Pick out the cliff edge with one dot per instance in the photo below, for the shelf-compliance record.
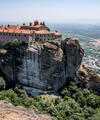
(42, 68)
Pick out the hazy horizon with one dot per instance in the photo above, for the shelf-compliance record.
(53, 11)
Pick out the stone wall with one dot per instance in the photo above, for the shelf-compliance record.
(6, 37)
(27, 38)
(46, 37)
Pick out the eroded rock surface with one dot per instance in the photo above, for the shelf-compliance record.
(43, 68)
(89, 78)
(10, 112)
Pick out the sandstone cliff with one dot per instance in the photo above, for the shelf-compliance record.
(10, 112)
(42, 68)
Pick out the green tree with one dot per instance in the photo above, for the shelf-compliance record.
(13, 44)
(49, 29)
(82, 101)
(44, 23)
(41, 23)
(61, 115)
(52, 110)
(2, 83)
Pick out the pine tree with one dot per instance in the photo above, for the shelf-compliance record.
(43, 23)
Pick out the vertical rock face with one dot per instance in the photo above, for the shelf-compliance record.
(73, 54)
(44, 68)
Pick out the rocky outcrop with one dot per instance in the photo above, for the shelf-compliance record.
(43, 68)
(89, 79)
(10, 112)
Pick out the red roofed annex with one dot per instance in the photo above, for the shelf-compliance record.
(27, 33)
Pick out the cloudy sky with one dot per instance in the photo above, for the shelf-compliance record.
(56, 11)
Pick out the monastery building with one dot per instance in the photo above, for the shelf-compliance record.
(27, 33)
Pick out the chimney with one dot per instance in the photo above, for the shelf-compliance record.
(56, 31)
(30, 23)
(36, 22)
(23, 24)
(8, 25)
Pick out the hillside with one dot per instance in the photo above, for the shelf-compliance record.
(10, 112)
(72, 90)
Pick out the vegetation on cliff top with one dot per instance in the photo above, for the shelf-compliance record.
(14, 44)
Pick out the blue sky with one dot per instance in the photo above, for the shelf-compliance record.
(56, 11)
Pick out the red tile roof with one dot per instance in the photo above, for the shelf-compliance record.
(43, 32)
(16, 29)
(12, 27)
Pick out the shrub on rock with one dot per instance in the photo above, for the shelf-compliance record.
(2, 83)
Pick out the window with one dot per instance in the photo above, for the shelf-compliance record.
(19, 35)
(15, 34)
(24, 35)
